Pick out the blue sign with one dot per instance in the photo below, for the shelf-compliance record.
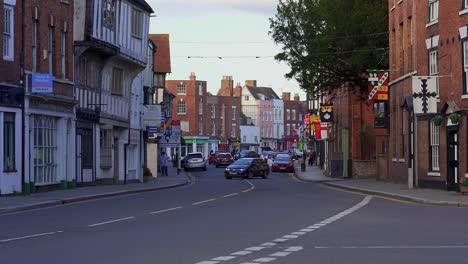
(42, 83)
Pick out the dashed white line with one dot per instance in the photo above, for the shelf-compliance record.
(268, 244)
(280, 240)
(241, 253)
(298, 233)
(112, 221)
(208, 262)
(254, 248)
(264, 260)
(290, 236)
(224, 258)
(229, 195)
(280, 254)
(30, 236)
(206, 201)
(294, 249)
(166, 210)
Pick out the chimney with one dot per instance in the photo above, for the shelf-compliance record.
(193, 77)
(251, 83)
(286, 96)
(296, 97)
(227, 85)
(238, 90)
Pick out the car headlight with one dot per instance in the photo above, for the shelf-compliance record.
(227, 169)
(241, 170)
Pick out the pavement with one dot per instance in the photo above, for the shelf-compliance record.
(383, 189)
(17, 203)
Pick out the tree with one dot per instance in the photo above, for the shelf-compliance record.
(328, 43)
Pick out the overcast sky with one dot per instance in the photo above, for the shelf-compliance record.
(222, 28)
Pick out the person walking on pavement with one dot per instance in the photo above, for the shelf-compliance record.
(164, 162)
(312, 158)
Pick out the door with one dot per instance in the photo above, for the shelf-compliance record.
(452, 175)
(79, 168)
(116, 160)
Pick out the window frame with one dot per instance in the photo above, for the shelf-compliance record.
(233, 112)
(465, 64)
(434, 147)
(105, 143)
(8, 33)
(34, 44)
(433, 11)
(63, 54)
(9, 142)
(50, 49)
(137, 23)
(181, 89)
(181, 105)
(117, 81)
(433, 54)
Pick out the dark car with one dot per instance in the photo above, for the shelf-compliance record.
(223, 159)
(247, 168)
(282, 163)
(248, 154)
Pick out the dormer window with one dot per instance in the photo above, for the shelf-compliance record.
(108, 13)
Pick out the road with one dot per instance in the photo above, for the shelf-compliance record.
(214, 220)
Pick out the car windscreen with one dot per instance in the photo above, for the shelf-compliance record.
(243, 162)
(225, 156)
(283, 159)
(195, 156)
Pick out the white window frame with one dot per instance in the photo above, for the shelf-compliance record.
(465, 62)
(433, 10)
(200, 107)
(50, 48)
(288, 114)
(181, 108)
(434, 146)
(137, 23)
(434, 66)
(234, 110)
(200, 90)
(45, 143)
(63, 54)
(200, 126)
(213, 128)
(294, 114)
(34, 45)
(213, 111)
(8, 33)
(181, 89)
(246, 98)
(465, 4)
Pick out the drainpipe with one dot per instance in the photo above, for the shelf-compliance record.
(23, 84)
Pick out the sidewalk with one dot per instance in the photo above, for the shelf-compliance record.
(37, 200)
(385, 189)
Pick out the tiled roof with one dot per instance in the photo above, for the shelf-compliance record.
(162, 57)
(266, 91)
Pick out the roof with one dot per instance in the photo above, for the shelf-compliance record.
(162, 57)
(143, 4)
(266, 91)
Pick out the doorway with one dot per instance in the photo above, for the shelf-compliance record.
(452, 160)
(116, 160)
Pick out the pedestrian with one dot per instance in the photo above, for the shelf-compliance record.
(312, 158)
(164, 162)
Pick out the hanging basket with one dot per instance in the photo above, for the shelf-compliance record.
(437, 120)
(454, 118)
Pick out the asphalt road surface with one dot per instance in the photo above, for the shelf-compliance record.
(214, 220)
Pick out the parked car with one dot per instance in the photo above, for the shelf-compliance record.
(194, 160)
(225, 159)
(247, 168)
(282, 163)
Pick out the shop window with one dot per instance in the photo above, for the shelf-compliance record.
(106, 148)
(45, 149)
(9, 142)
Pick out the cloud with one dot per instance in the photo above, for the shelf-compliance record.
(258, 6)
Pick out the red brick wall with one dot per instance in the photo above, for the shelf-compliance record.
(10, 70)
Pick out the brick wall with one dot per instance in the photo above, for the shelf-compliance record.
(10, 70)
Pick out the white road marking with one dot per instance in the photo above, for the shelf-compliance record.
(280, 240)
(294, 249)
(298, 233)
(264, 260)
(166, 210)
(208, 262)
(406, 247)
(112, 221)
(206, 201)
(307, 229)
(249, 263)
(251, 184)
(244, 191)
(30, 236)
(280, 254)
(254, 248)
(224, 258)
(241, 253)
(290, 236)
(229, 195)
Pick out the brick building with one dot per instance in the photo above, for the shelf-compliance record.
(428, 38)
(294, 112)
(223, 122)
(191, 108)
(356, 136)
(11, 97)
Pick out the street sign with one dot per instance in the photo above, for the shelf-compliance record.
(172, 132)
(152, 116)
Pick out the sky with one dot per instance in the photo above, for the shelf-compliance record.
(222, 28)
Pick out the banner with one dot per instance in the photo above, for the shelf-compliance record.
(321, 130)
(41, 83)
(424, 95)
(378, 86)
(326, 113)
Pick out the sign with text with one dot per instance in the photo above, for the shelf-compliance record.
(42, 83)
(152, 117)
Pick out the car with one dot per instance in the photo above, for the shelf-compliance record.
(247, 168)
(248, 154)
(225, 159)
(194, 160)
(282, 163)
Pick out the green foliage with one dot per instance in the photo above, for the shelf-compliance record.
(455, 118)
(464, 183)
(437, 120)
(328, 43)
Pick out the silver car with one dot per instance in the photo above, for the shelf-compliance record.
(194, 160)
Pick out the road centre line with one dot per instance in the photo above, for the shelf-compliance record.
(392, 247)
(166, 210)
(205, 201)
(112, 221)
(229, 195)
(30, 236)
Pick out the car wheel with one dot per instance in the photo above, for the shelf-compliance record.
(264, 175)
(204, 168)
